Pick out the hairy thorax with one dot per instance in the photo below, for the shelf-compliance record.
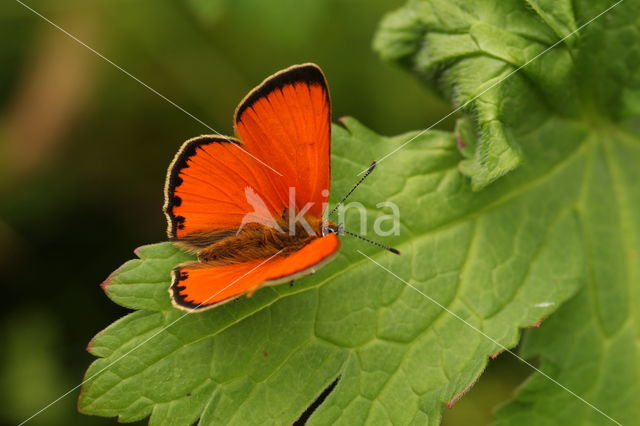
(254, 241)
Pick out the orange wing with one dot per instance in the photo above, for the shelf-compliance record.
(286, 122)
(210, 187)
(197, 286)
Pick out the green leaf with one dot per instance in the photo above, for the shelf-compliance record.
(501, 259)
(470, 50)
(143, 283)
(590, 80)
(590, 345)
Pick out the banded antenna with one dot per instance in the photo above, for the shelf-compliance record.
(391, 249)
(367, 173)
(340, 229)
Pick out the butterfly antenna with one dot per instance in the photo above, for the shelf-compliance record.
(392, 250)
(367, 173)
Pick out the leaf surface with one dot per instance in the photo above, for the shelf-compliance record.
(589, 79)
(495, 258)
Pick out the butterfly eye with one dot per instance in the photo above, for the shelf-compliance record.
(333, 229)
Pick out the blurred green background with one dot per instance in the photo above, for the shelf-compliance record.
(84, 150)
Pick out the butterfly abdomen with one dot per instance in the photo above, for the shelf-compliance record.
(254, 242)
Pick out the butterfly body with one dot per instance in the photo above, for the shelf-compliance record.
(255, 241)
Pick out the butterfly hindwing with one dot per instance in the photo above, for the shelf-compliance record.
(198, 286)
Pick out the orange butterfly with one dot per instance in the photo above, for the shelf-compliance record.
(251, 208)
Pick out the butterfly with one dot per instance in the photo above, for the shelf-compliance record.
(251, 207)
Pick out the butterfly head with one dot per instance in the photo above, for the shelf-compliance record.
(332, 228)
